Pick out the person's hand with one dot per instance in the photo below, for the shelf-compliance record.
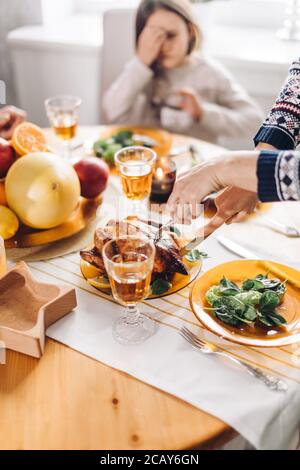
(10, 118)
(191, 103)
(232, 169)
(233, 205)
(149, 44)
(190, 189)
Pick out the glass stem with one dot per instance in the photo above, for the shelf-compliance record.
(67, 149)
(139, 208)
(132, 314)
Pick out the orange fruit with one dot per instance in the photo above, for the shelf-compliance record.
(9, 223)
(28, 138)
(3, 201)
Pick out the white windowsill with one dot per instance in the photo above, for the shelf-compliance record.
(253, 47)
(77, 32)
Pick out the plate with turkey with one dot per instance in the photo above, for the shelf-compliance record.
(174, 268)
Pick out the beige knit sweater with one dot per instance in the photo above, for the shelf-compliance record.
(137, 97)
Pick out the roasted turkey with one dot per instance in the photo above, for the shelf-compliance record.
(168, 257)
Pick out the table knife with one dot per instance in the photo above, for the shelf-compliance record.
(244, 252)
(237, 249)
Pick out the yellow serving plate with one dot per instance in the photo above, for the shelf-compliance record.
(84, 214)
(163, 138)
(237, 271)
(180, 281)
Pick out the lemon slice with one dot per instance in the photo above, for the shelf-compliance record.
(100, 282)
(9, 223)
(94, 276)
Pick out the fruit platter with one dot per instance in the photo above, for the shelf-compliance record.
(44, 198)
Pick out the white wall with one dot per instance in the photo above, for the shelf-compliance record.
(66, 56)
(13, 14)
(59, 58)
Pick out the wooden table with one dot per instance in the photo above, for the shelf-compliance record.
(66, 400)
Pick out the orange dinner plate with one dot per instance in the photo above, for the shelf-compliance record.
(180, 281)
(238, 271)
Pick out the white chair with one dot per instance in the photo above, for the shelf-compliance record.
(118, 44)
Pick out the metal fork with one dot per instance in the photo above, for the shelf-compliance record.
(161, 229)
(207, 348)
(184, 250)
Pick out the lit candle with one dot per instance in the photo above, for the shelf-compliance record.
(159, 174)
(163, 180)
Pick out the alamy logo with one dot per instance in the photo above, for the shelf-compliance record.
(2, 92)
(2, 353)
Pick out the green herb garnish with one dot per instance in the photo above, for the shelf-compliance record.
(106, 148)
(255, 301)
(160, 286)
(195, 255)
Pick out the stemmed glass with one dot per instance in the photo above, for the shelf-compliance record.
(135, 165)
(129, 263)
(63, 115)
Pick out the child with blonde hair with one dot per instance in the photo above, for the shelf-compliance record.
(170, 83)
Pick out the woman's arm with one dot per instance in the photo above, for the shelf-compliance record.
(121, 96)
(265, 146)
(275, 176)
(281, 129)
(278, 176)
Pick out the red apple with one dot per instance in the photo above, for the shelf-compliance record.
(7, 157)
(93, 174)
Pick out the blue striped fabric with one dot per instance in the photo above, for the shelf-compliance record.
(278, 176)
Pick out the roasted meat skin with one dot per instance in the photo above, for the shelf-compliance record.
(93, 257)
(168, 259)
(171, 258)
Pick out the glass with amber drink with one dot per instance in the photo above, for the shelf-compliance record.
(129, 263)
(63, 115)
(135, 165)
(2, 257)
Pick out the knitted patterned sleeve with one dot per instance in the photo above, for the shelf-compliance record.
(278, 176)
(282, 127)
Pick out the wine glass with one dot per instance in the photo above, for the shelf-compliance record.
(63, 115)
(135, 165)
(129, 263)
